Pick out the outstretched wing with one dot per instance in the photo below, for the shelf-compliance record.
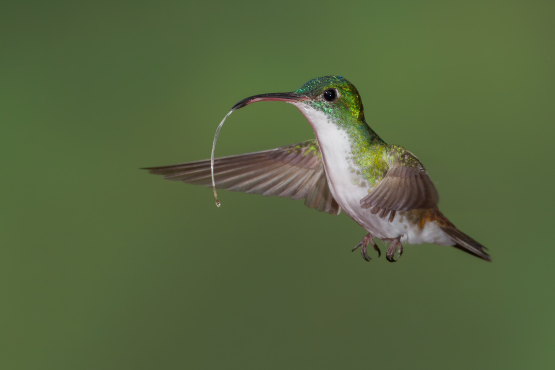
(405, 186)
(294, 171)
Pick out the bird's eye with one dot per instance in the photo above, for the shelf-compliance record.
(330, 94)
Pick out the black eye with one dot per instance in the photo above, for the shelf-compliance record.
(330, 94)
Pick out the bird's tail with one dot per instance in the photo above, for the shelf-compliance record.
(466, 243)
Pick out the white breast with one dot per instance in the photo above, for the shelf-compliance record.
(348, 187)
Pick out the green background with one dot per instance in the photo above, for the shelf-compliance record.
(103, 266)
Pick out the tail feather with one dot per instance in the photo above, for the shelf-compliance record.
(466, 243)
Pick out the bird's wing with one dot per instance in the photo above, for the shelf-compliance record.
(294, 171)
(405, 186)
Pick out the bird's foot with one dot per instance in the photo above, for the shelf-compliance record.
(394, 248)
(368, 239)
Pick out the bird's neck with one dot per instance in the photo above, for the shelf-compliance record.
(350, 138)
(368, 150)
(360, 133)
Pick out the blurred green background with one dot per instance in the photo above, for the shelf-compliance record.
(103, 266)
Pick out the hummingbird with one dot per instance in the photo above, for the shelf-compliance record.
(382, 187)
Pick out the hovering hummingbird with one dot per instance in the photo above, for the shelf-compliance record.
(384, 188)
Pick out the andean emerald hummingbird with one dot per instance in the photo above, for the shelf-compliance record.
(384, 188)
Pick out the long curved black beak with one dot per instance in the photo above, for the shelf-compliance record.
(286, 97)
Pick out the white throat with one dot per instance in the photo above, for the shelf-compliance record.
(346, 185)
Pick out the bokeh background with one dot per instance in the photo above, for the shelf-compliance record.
(103, 266)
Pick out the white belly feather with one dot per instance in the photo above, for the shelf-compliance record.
(348, 187)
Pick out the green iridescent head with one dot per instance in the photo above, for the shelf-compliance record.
(333, 95)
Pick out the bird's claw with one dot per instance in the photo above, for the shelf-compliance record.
(377, 249)
(368, 239)
(394, 247)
